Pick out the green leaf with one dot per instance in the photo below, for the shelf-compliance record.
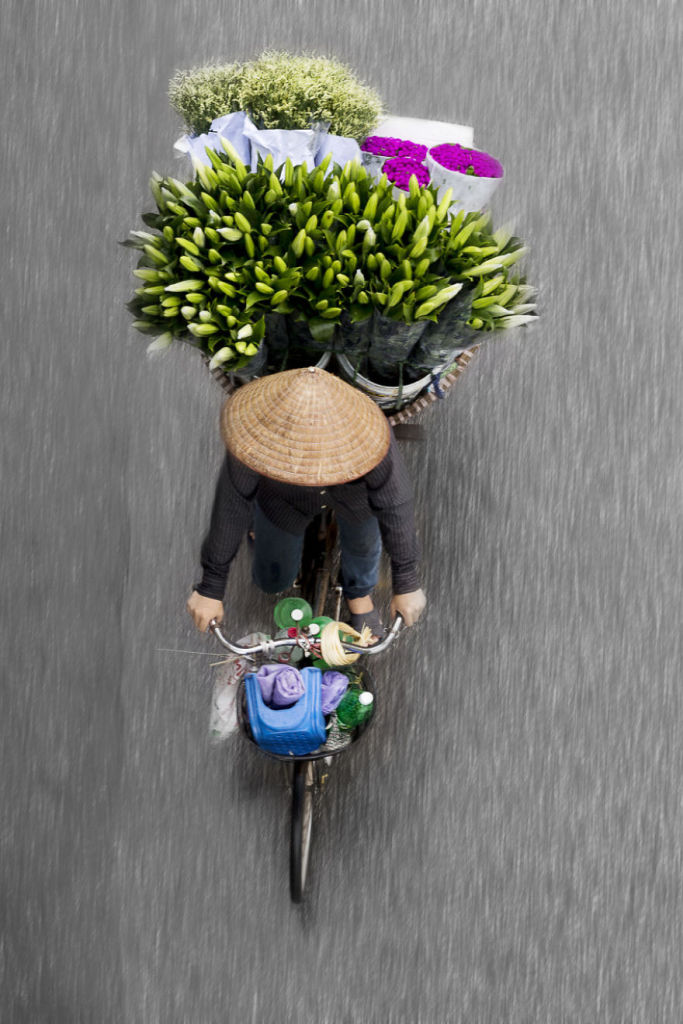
(360, 313)
(321, 330)
(259, 330)
(252, 299)
(153, 220)
(146, 327)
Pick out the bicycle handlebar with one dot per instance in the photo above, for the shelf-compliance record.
(271, 645)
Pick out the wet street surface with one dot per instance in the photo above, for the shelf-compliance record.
(505, 845)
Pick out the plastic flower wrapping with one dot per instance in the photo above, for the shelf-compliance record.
(307, 147)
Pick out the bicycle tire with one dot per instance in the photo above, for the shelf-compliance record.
(303, 782)
(325, 581)
(317, 567)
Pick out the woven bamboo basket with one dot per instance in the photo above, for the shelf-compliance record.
(435, 393)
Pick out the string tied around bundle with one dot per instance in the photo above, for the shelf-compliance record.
(331, 647)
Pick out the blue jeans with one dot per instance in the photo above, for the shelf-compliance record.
(277, 555)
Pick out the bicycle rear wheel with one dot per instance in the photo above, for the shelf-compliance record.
(303, 785)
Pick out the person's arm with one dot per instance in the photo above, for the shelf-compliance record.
(391, 499)
(230, 518)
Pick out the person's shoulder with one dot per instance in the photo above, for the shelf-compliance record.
(388, 464)
(238, 468)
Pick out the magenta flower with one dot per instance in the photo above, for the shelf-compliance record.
(382, 145)
(468, 161)
(400, 169)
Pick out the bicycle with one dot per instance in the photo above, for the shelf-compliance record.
(318, 583)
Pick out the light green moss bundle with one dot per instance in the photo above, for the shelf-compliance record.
(201, 94)
(278, 90)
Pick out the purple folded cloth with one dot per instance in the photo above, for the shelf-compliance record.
(333, 688)
(281, 685)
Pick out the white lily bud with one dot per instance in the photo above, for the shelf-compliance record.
(506, 323)
(160, 344)
(220, 357)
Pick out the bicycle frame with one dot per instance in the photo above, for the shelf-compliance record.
(305, 771)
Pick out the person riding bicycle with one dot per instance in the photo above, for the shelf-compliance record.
(298, 441)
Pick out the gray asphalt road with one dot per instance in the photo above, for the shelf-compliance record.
(506, 846)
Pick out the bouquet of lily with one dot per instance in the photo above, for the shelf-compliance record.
(235, 251)
(233, 245)
(490, 300)
(290, 242)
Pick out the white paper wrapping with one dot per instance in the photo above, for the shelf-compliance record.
(231, 127)
(429, 133)
(311, 146)
(194, 146)
(373, 164)
(415, 129)
(341, 148)
(470, 192)
(300, 146)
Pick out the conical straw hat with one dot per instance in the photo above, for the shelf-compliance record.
(305, 427)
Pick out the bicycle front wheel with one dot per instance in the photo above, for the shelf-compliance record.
(303, 783)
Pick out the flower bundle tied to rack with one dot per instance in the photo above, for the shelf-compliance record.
(289, 243)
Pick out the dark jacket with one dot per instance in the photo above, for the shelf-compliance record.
(384, 492)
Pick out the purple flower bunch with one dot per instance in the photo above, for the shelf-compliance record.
(400, 169)
(456, 158)
(382, 145)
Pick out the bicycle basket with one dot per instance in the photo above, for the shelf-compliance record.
(292, 731)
